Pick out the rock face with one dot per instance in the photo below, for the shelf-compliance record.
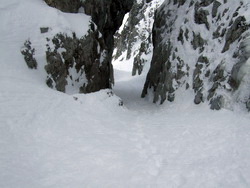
(134, 41)
(201, 46)
(89, 57)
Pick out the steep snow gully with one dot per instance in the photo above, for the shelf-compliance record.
(58, 140)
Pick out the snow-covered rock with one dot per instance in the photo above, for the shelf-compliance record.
(81, 63)
(197, 47)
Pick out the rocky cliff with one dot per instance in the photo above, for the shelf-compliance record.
(82, 62)
(201, 46)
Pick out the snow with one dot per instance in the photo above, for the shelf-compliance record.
(52, 139)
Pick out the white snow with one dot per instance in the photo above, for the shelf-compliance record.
(52, 139)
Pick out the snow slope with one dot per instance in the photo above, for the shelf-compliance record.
(52, 139)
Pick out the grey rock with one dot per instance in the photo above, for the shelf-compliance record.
(179, 2)
(218, 73)
(28, 53)
(203, 59)
(139, 61)
(57, 70)
(218, 76)
(198, 98)
(216, 103)
(44, 29)
(198, 42)
(217, 34)
(186, 34)
(200, 17)
(205, 3)
(198, 82)
(180, 37)
(238, 27)
(248, 105)
(216, 5)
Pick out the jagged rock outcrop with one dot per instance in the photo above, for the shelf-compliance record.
(85, 62)
(201, 45)
(134, 41)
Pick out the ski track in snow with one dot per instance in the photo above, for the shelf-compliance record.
(147, 150)
(51, 139)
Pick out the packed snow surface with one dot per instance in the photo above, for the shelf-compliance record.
(52, 139)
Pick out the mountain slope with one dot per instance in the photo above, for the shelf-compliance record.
(52, 139)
